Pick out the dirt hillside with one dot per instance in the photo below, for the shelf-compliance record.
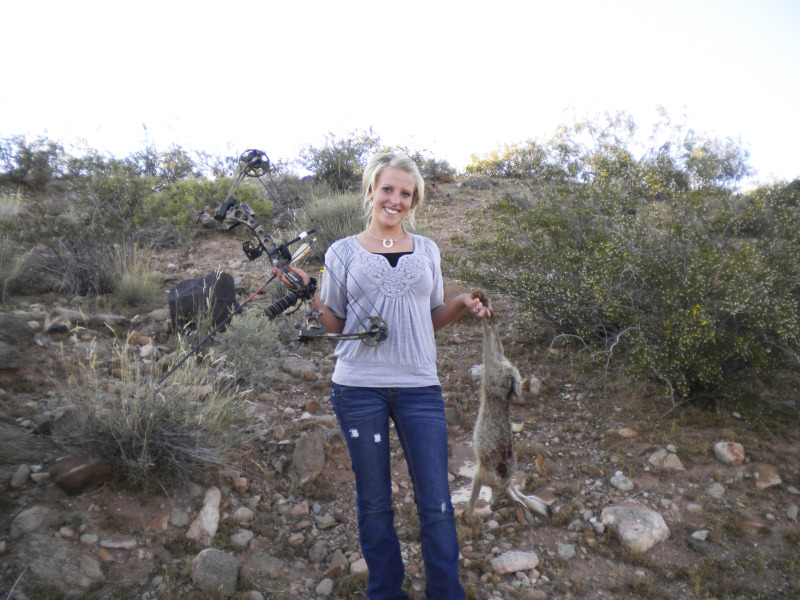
(579, 442)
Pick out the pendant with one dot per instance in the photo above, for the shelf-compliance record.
(388, 243)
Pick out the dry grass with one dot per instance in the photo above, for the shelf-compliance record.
(154, 436)
(136, 283)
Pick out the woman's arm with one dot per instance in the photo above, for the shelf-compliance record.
(330, 321)
(447, 313)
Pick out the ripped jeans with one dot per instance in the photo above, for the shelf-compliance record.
(418, 416)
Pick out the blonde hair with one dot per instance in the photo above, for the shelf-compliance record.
(375, 167)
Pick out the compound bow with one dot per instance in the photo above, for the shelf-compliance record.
(373, 330)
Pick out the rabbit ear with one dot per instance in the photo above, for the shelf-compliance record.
(530, 504)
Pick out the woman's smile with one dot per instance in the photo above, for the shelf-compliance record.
(391, 201)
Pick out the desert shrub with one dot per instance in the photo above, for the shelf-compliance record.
(340, 161)
(180, 202)
(433, 168)
(249, 346)
(135, 282)
(154, 436)
(10, 208)
(10, 265)
(334, 216)
(668, 286)
(33, 163)
(531, 160)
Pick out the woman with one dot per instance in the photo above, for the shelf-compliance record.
(397, 274)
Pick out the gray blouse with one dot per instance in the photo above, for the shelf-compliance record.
(403, 296)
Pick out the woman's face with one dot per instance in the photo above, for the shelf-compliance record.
(392, 197)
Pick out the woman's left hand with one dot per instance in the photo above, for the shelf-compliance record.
(477, 308)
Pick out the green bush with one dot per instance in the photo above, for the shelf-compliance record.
(181, 202)
(697, 289)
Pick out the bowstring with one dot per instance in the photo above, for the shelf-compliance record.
(278, 197)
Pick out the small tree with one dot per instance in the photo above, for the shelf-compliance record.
(340, 162)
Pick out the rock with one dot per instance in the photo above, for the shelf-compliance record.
(160, 315)
(534, 386)
(205, 525)
(296, 366)
(206, 220)
(637, 527)
(476, 372)
(178, 517)
(10, 358)
(14, 329)
(729, 453)
(61, 320)
(242, 514)
(160, 523)
(54, 563)
(511, 562)
(359, 567)
(308, 458)
(32, 519)
(663, 459)
(325, 587)
(76, 474)
(325, 521)
(318, 552)
(241, 538)
(626, 432)
(700, 535)
(18, 445)
(215, 572)
(715, 490)
(117, 544)
(338, 564)
(20, 476)
(621, 482)
(565, 551)
(766, 476)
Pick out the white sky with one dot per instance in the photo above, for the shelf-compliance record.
(452, 77)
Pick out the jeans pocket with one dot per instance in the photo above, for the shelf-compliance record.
(338, 390)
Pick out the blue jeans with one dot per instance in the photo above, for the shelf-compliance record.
(418, 416)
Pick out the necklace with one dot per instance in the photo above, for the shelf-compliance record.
(387, 243)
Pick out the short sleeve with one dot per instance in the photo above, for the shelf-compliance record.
(437, 293)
